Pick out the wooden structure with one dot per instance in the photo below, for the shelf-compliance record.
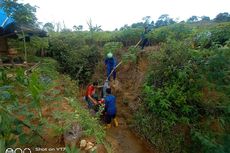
(5, 51)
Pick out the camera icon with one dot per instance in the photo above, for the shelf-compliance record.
(9, 150)
(18, 150)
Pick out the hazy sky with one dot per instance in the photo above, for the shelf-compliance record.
(111, 14)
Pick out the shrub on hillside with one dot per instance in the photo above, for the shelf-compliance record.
(175, 32)
(186, 92)
(112, 47)
(75, 57)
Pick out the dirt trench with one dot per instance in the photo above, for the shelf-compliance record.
(123, 138)
(126, 88)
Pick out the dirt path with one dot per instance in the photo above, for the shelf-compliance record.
(122, 138)
(127, 88)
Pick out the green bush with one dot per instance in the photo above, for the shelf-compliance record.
(188, 89)
(131, 55)
(75, 57)
(175, 32)
(112, 47)
(21, 99)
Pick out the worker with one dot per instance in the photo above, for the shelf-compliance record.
(110, 109)
(104, 87)
(110, 63)
(144, 39)
(90, 96)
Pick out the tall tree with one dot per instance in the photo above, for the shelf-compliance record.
(49, 27)
(192, 19)
(23, 14)
(164, 20)
(148, 23)
(205, 18)
(222, 17)
(78, 28)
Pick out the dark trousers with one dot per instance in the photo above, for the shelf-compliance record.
(144, 43)
(109, 70)
(109, 117)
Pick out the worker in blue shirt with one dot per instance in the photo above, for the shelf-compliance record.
(110, 108)
(144, 39)
(110, 63)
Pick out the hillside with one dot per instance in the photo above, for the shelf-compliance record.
(172, 89)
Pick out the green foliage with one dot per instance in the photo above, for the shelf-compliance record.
(16, 107)
(210, 142)
(129, 36)
(112, 47)
(175, 32)
(203, 39)
(74, 55)
(164, 20)
(183, 86)
(90, 124)
(72, 149)
(220, 33)
(36, 88)
(24, 14)
(213, 36)
(222, 17)
(131, 55)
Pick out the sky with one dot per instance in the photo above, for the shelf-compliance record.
(112, 14)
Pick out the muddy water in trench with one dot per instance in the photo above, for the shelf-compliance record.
(122, 138)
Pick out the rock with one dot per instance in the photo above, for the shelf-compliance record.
(72, 135)
(83, 144)
(90, 139)
(89, 145)
(93, 149)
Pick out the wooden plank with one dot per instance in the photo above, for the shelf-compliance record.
(3, 45)
(16, 65)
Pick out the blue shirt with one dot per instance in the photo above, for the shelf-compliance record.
(110, 104)
(111, 62)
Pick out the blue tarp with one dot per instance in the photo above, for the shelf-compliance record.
(8, 26)
(5, 21)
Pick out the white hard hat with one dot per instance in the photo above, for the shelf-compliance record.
(110, 55)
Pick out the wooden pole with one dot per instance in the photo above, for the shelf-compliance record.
(24, 44)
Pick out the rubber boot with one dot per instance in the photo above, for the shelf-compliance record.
(108, 126)
(115, 122)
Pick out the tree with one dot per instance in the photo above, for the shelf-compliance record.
(146, 20)
(222, 17)
(148, 23)
(125, 27)
(23, 14)
(137, 25)
(49, 27)
(205, 18)
(78, 28)
(164, 20)
(93, 28)
(192, 19)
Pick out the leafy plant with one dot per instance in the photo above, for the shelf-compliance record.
(131, 55)
(72, 149)
(112, 47)
(184, 91)
(16, 115)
